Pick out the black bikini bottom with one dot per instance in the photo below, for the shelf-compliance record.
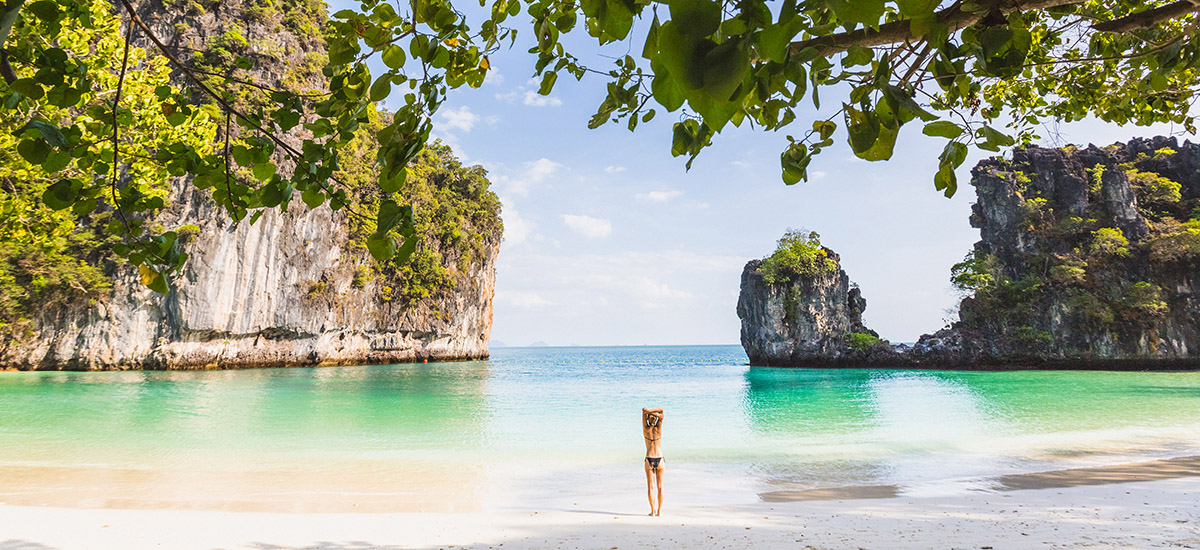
(653, 461)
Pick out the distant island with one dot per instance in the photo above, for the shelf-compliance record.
(1087, 259)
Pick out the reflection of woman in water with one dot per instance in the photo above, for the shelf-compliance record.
(652, 431)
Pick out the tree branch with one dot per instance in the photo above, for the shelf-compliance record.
(1148, 18)
(898, 31)
(117, 132)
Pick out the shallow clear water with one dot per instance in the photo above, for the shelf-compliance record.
(532, 423)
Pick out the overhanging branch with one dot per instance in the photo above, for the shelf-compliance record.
(898, 31)
(1147, 18)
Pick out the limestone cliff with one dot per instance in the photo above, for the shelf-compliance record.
(295, 287)
(1088, 258)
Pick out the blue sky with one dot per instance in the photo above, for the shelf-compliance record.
(609, 241)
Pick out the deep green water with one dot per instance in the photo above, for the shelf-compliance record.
(575, 411)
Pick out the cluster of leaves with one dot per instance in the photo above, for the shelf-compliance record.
(963, 68)
(798, 254)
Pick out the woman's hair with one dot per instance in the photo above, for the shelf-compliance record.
(651, 420)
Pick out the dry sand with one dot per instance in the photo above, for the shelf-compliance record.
(1162, 513)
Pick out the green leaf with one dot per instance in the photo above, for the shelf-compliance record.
(56, 160)
(406, 250)
(382, 248)
(619, 20)
(60, 195)
(381, 88)
(849, 12)
(858, 55)
(992, 39)
(993, 139)
(51, 133)
(393, 184)
(391, 215)
(393, 56)
(664, 87)
(725, 67)
(824, 128)
(794, 162)
(695, 18)
(651, 45)
(774, 40)
(33, 150)
(153, 279)
(46, 10)
(863, 128)
(313, 197)
(264, 171)
(28, 87)
(548, 80)
(942, 128)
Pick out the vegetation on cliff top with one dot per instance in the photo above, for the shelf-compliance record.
(798, 254)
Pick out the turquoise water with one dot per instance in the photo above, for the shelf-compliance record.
(532, 423)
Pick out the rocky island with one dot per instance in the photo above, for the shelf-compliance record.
(296, 287)
(1088, 258)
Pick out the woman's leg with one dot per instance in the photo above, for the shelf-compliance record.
(649, 486)
(659, 476)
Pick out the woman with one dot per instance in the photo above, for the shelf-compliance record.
(652, 431)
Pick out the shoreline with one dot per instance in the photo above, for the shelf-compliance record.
(1145, 514)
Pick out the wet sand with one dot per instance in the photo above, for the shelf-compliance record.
(1154, 470)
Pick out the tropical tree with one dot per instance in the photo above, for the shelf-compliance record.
(981, 73)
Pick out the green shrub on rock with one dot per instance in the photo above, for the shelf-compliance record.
(798, 254)
(862, 341)
(1109, 241)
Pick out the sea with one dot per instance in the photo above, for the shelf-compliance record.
(559, 428)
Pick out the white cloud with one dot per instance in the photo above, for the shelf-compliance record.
(529, 97)
(588, 226)
(533, 99)
(517, 228)
(522, 298)
(459, 119)
(817, 175)
(494, 77)
(741, 164)
(659, 196)
(532, 174)
(614, 169)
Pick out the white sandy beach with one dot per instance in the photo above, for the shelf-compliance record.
(1149, 514)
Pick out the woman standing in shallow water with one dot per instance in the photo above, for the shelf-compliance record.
(652, 431)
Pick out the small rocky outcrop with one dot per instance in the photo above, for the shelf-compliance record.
(809, 320)
(1088, 258)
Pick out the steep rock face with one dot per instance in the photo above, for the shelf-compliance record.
(247, 299)
(1091, 253)
(287, 290)
(803, 322)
